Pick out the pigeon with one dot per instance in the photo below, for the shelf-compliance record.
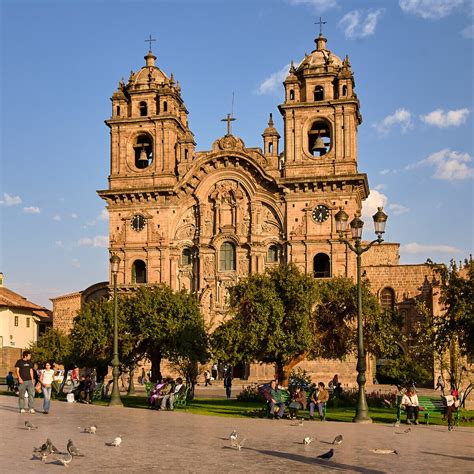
(116, 442)
(308, 440)
(407, 430)
(89, 429)
(384, 451)
(327, 455)
(233, 436)
(238, 445)
(337, 439)
(30, 426)
(43, 447)
(72, 449)
(396, 424)
(301, 422)
(63, 458)
(387, 403)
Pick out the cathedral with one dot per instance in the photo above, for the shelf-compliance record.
(200, 220)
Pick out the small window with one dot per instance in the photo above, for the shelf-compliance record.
(344, 90)
(165, 106)
(27, 322)
(157, 105)
(387, 299)
(227, 257)
(272, 254)
(292, 94)
(322, 266)
(138, 272)
(118, 110)
(185, 154)
(319, 93)
(270, 148)
(186, 257)
(143, 109)
(16, 321)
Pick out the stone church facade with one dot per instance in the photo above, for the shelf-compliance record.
(201, 220)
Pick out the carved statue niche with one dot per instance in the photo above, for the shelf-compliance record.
(228, 200)
(209, 267)
(270, 225)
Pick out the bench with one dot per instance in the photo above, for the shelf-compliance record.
(182, 399)
(148, 389)
(428, 406)
(285, 398)
(98, 392)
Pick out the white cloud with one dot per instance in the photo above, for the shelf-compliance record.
(57, 217)
(274, 81)
(400, 117)
(76, 263)
(398, 209)
(9, 200)
(468, 32)
(385, 171)
(31, 210)
(379, 187)
(440, 118)
(104, 215)
(414, 248)
(430, 9)
(355, 26)
(448, 165)
(318, 5)
(369, 206)
(101, 241)
(58, 243)
(74, 215)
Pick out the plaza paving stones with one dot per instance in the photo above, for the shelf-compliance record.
(182, 442)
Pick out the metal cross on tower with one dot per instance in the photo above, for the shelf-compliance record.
(149, 40)
(320, 23)
(228, 120)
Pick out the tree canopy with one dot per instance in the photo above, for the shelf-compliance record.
(53, 346)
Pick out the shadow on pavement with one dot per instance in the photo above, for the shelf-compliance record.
(331, 465)
(464, 458)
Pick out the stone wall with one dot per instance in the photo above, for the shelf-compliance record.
(384, 254)
(8, 358)
(64, 309)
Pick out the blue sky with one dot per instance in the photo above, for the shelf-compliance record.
(62, 60)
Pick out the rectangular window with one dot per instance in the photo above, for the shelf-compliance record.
(27, 322)
(16, 320)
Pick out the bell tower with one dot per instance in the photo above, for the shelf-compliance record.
(321, 115)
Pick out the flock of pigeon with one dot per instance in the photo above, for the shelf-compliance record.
(235, 443)
(48, 453)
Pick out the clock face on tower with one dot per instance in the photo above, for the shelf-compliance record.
(137, 222)
(320, 213)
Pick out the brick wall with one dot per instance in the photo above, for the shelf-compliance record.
(64, 309)
(8, 358)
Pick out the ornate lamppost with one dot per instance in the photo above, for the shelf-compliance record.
(356, 225)
(115, 396)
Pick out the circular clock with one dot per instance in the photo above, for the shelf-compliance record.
(320, 213)
(137, 222)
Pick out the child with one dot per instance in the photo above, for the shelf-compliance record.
(10, 382)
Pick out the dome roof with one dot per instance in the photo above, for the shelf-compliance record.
(148, 73)
(320, 57)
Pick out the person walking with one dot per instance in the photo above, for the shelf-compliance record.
(46, 380)
(207, 378)
(228, 383)
(24, 373)
(440, 383)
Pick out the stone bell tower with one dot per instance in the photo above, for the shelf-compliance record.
(151, 144)
(321, 116)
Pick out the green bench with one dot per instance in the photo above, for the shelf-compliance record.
(428, 406)
(98, 392)
(182, 399)
(285, 398)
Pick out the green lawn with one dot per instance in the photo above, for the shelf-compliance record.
(236, 409)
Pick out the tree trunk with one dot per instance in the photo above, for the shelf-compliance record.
(131, 386)
(283, 370)
(155, 358)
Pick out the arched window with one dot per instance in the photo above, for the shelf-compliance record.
(319, 93)
(270, 148)
(165, 106)
(292, 94)
(319, 138)
(321, 266)
(272, 254)
(344, 90)
(387, 299)
(118, 110)
(143, 109)
(186, 257)
(157, 105)
(227, 257)
(138, 272)
(143, 149)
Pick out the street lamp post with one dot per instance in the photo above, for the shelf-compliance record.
(356, 225)
(115, 396)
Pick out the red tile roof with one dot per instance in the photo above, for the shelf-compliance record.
(10, 299)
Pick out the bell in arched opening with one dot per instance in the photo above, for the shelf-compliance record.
(143, 159)
(319, 148)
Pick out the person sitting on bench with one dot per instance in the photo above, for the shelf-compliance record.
(275, 400)
(298, 401)
(410, 402)
(318, 398)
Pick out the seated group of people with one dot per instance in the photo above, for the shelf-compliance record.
(411, 404)
(165, 393)
(84, 389)
(318, 396)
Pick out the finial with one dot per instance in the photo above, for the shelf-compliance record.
(149, 40)
(292, 67)
(172, 79)
(270, 121)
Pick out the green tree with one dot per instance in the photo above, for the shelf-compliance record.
(166, 324)
(53, 346)
(285, 316)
